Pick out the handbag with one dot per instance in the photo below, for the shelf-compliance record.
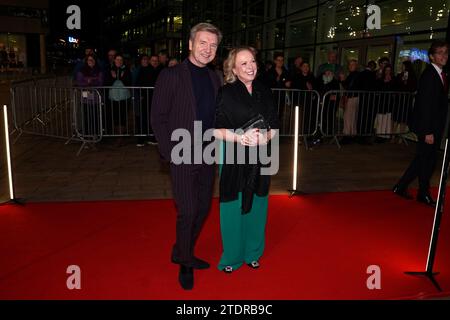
(252, 171)
(119, 92)
(256, 122)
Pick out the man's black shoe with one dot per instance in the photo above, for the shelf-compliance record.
(186, 277)
(402, 192)
(426, 199)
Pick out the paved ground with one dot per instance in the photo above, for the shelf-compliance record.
(47, 170)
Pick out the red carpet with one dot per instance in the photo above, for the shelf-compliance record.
(318, 247)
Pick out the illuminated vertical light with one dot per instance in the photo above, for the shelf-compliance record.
(294, 176)
(8, 153)
(436, 210)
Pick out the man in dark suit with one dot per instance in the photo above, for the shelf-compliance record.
(366, 114)
(428, 122)
(184, 94)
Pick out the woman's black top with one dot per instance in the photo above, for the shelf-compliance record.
(235, 107)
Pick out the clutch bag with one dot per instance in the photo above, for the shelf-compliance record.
(257, 122)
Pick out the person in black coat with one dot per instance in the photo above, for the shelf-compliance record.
(428, 123)
(406, 82)
(326, 83)
(385, 102)
(277, 76)
(147, 74)
(244, 188)
(307, 99)
(366, 114)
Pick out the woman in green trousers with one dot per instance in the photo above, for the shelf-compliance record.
(246, 118)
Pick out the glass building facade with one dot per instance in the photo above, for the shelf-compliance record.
(306, 28)
(217, 12)
(137, 26)
(310, 28)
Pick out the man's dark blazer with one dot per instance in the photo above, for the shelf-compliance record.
(430, 108)
(174, 105)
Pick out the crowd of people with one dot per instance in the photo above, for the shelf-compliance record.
(361, 122)
(331, 76)
(95, 72)
(117, 71)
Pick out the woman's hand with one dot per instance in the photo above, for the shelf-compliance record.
(250, 138)
(263, 138)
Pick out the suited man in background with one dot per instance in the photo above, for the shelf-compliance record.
(183, 94)
(428, 122)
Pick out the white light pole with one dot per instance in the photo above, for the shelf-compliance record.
(8, 158)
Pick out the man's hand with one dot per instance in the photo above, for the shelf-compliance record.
(429, 139)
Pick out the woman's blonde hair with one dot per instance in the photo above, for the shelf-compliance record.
(230, 62)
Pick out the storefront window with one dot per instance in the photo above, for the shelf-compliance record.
(307, 53)
(274, 34)
(295, 5)
(301, 28)
(406, 16)
(375, 52)
(256, 14)
(341, 20)
(12, 51)
(255, 38)
(276, 9)
(415, 48)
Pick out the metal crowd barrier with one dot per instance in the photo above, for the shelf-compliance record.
(365, 113)
(42, 110)
(308, 102)
(90, 114)
(126, 111)
(58, 112)
(81, 114)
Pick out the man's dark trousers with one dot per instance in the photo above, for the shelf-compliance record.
(422, 166)
(192, 186)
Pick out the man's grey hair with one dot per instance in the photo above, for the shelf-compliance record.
(208, 27)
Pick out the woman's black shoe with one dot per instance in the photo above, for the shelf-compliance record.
(253, 264)
(427, 199)
(402, 192)
(228, 269)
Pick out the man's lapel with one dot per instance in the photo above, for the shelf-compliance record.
(187, 81)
